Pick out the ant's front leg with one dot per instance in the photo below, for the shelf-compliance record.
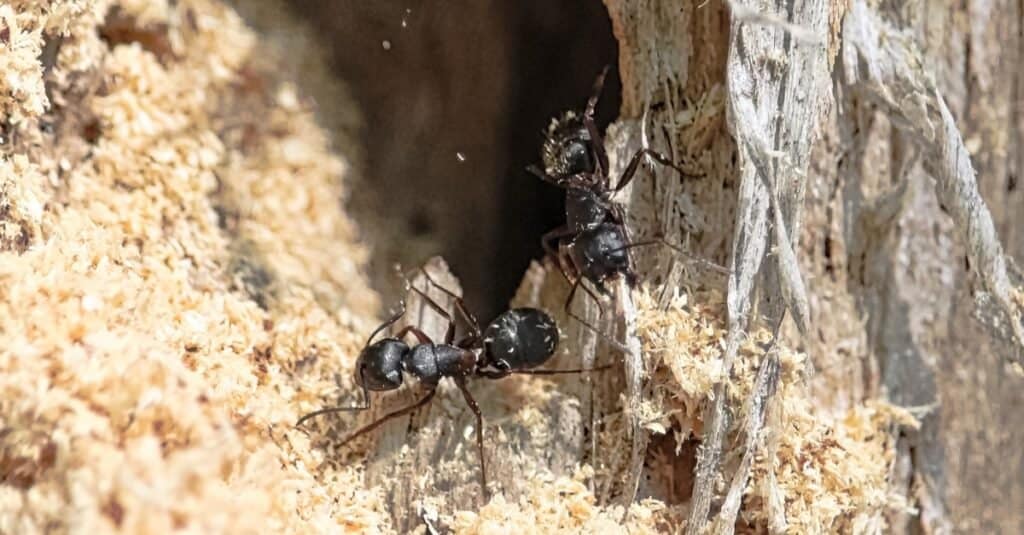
(395, 414)
(597, 141)
(460, 304)
(331, 410)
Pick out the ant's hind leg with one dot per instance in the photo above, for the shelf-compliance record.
(578, 283)
(560, 372)
(586, 324)
(420, 335)
(554, 236)
(553, 252)
(461, 383)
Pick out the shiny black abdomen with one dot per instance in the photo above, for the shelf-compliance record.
(600, 253)
(520, 339)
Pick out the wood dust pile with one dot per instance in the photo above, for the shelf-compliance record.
(179, 282)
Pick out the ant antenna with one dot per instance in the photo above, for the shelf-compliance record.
(389, 322)
(689, 256)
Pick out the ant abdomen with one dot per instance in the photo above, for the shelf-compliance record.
(520, 339)
(380, 364)
(601, 253)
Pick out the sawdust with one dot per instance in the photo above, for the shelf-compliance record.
(163, 292)
(562, 505)
(831, 472)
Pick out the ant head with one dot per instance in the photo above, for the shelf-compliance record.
(379, 366)
(567, 147)
(520, 339)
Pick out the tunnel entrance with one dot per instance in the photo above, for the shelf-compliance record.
(454, 96)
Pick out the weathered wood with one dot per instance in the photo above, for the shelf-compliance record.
(659, 61)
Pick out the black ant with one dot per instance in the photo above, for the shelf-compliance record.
(517, 341)
(596, 242)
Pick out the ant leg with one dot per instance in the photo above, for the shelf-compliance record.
(559, 372)
(449, 335)
(556, 236)
(331, 410)
(577, 283)
(597, 294)
(461, 383)
(600, 311)
(460, 305)
(572, 293)
(689, 256)
(394, 414)
(533, 169)
(420, 335)
(591, 126)
(590, 327)
(634, 164)
(389, 322)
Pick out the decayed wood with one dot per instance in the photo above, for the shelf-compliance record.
(777, 74)
(772, 115)
(884, 65)
(757, 407)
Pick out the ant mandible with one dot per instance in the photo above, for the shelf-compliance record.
(517, 341)
(596, 242)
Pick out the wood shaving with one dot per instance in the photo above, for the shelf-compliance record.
(832, 470)
(144, 389)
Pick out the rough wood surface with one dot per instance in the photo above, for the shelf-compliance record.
(890, 331)
(773, 114)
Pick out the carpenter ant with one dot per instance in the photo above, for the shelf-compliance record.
(595, 240)
(517, 341)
